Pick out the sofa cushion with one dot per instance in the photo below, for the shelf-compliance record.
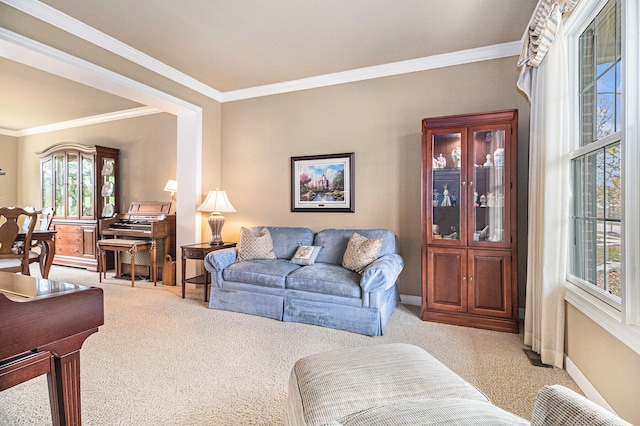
(334, 243)
(262, 272)
(325, 278)
(360, 252)
(286, 239)
(306, 255)
(255, 246)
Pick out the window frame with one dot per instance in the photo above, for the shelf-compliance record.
(622, 321)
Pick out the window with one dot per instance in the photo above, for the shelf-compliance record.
(596, 221)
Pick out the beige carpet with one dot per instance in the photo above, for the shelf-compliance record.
(163, 360)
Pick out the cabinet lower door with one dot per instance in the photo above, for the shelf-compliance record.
(447, 278)
(490, 283)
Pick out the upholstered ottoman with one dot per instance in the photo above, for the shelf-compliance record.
(385, 384)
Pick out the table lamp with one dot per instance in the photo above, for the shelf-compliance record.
(172, 187)
(216, 203)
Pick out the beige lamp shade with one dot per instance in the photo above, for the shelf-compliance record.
(171, 186)
(216, 203)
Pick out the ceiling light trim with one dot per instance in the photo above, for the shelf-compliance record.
(78, 28)
(460, 57)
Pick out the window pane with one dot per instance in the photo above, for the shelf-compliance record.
(597, 205)
(587, 42)
(613, 246)
(613, 182)
(600, 83)
(606, 43)
(584, 251)
(618, 96)
(606, 104)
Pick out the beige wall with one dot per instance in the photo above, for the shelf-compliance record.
(609, 365)
(147, 156)
(379, 120)
(9, 163)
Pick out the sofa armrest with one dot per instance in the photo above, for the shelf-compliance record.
(220, 259)
(382, 273)
(558, 405)
(216, 261)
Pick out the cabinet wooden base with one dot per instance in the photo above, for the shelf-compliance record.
(505, 325)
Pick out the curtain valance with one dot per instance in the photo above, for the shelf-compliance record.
(542, 30)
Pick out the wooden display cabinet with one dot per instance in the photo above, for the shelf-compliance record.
(80, 183)
(469, 240)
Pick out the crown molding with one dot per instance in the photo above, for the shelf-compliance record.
(387, 70)
(95, 119)
(78, 28)
(12, 133)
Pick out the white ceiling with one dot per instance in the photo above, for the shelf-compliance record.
(238, 44)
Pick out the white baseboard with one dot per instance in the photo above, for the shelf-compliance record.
(410, 300)
(585, 385)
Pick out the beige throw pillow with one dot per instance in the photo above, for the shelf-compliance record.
(360, 252)
(255, 247)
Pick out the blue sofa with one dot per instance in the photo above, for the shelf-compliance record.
(323, 293)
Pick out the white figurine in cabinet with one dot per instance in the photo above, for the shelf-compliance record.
(455, 156)
(446, 199)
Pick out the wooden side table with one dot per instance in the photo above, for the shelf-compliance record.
(199, 251)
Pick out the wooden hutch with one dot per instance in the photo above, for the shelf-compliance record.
(80, 182)
(469, 238)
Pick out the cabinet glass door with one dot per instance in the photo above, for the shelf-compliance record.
(108, 187)
(72, 185)
(60, 193)
(47, 183)
(447, 158)
(488, 185)
(87, 186)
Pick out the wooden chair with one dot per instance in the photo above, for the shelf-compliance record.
(45, 216)
(12, 260)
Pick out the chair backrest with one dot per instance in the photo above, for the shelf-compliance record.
(45, 216)
(10, 217)
(26, 221)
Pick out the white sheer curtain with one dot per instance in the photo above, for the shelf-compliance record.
(546, 84)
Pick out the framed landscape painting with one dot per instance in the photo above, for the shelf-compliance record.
(322, 183)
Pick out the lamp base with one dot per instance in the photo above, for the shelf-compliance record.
(216, 222)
